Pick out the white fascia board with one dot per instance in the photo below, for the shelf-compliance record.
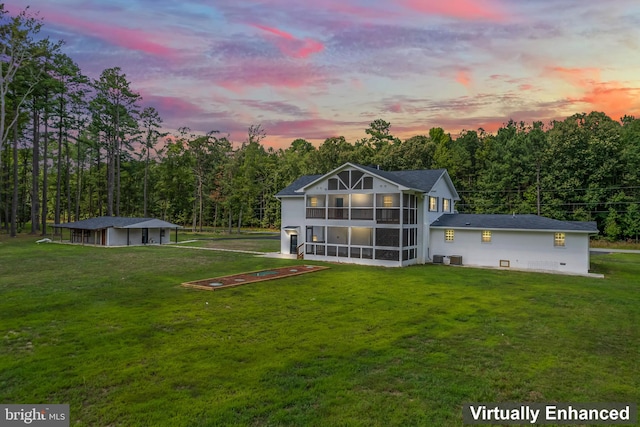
(449, 183)
(458, 227)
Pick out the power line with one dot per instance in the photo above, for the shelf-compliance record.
(549, 190)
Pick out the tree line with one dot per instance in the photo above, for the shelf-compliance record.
(72, 148)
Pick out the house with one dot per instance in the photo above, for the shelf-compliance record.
(364, 215)
(120, 231)
(524, 242)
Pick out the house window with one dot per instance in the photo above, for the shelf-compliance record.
(448, 235)
(387, 201)
(313, 202)
(486, 236)
(558, 239)
(445, 205)
(433, 204)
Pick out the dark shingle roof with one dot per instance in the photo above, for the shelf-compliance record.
(101, 222)
(290, 190)
(520, 222)
(422, 180)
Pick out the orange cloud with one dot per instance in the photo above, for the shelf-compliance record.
(581, 77)
(463, 77)
(292, 46)
(460, 9)
(613, 98)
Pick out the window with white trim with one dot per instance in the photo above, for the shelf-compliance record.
(486, 236)
(433, 204)
(559, 239)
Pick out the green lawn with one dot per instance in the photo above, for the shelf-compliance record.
(111, 332)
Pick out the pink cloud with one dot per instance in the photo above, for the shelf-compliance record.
(459, 9)
(290, 45)
(463, 77)
(176, 107)
(124, 37)
(240, 76)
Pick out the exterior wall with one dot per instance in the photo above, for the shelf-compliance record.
(341, 217)
(441, 191)
(527, 250)
(118, 236)
(292, 214)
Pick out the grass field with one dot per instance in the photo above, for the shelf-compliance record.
(111, 332)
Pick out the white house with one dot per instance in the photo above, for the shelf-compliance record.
(524, 242)
(364, 215)
(119, 231)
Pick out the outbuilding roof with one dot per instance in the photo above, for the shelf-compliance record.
(101, 222)
(512, 222)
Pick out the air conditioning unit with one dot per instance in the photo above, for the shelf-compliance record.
(455, 259)
(438, 259)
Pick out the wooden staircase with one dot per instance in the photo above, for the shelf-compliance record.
(299, 252)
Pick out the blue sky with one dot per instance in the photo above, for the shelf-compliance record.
(319, 69)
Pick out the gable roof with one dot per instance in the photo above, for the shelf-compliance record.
(101, 222)
(512, 222)
(423, 179)
(291, 189)
(420, 180)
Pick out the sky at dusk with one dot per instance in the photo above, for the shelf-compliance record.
(326, 68)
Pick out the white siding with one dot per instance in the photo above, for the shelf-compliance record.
(118, 236)
(440, 190)
(527, 250)
(293, 215)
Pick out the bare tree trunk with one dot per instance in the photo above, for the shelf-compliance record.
(201, 202)
(59, 176)
(117, 174)
(111, 176)
(146, 179)
(67, 179)
(80, 167)
(45, 171)
(35, 170)
(14, 201)
(239, 220)
(215, 218)
(538, 186)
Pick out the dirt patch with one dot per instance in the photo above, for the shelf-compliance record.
(251, 277)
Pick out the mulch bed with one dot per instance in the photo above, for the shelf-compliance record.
(251, 277)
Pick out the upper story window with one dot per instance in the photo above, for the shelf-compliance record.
(350, 179)
(313, 202)
(449, 235)
(446, 205)
(387, 201)
(558, 239)
(433, 204)
(486, 236)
